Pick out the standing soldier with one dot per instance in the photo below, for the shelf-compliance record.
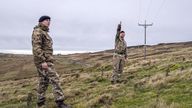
(120, 54)
(43, 59)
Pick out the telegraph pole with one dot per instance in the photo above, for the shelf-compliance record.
(145, 25)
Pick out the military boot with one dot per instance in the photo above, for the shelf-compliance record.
(61, 104)
(41, 106)
(113, 81)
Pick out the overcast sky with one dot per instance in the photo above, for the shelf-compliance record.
(91, 24)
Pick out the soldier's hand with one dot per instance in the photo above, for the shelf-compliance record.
(119, 27)
(44, 66)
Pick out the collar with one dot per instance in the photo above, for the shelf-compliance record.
(42, 27)
(121, 39)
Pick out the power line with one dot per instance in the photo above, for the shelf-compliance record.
(148, 15)
(148, 9)
(139, 10)
(159, 10)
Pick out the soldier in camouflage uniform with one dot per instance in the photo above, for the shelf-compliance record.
(120, 55)
(44, 62)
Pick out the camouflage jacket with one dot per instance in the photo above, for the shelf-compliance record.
(42, 45)
(120, 45)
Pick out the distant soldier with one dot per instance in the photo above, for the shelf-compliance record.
(43, 58)
(120, 54)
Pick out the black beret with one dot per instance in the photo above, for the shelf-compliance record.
(42, 18)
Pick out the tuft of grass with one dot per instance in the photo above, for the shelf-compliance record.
(161, 81)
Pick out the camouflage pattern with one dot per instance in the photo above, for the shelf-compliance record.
(118, 64)
(43, 52)
(120, 45)
(42, 45)
(120, 54)
(49, 77)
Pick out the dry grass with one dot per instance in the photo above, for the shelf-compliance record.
(161, 81)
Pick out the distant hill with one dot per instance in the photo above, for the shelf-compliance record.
(163, 80)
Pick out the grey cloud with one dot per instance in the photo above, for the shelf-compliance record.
(91, 24)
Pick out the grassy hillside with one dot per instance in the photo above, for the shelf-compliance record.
(163, 80)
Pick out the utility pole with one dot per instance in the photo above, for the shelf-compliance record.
(145, 25)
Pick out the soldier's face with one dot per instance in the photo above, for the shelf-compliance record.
(122, 35)
(46, 22)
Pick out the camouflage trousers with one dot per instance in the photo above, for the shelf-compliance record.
(118, 64)
(47, 77)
